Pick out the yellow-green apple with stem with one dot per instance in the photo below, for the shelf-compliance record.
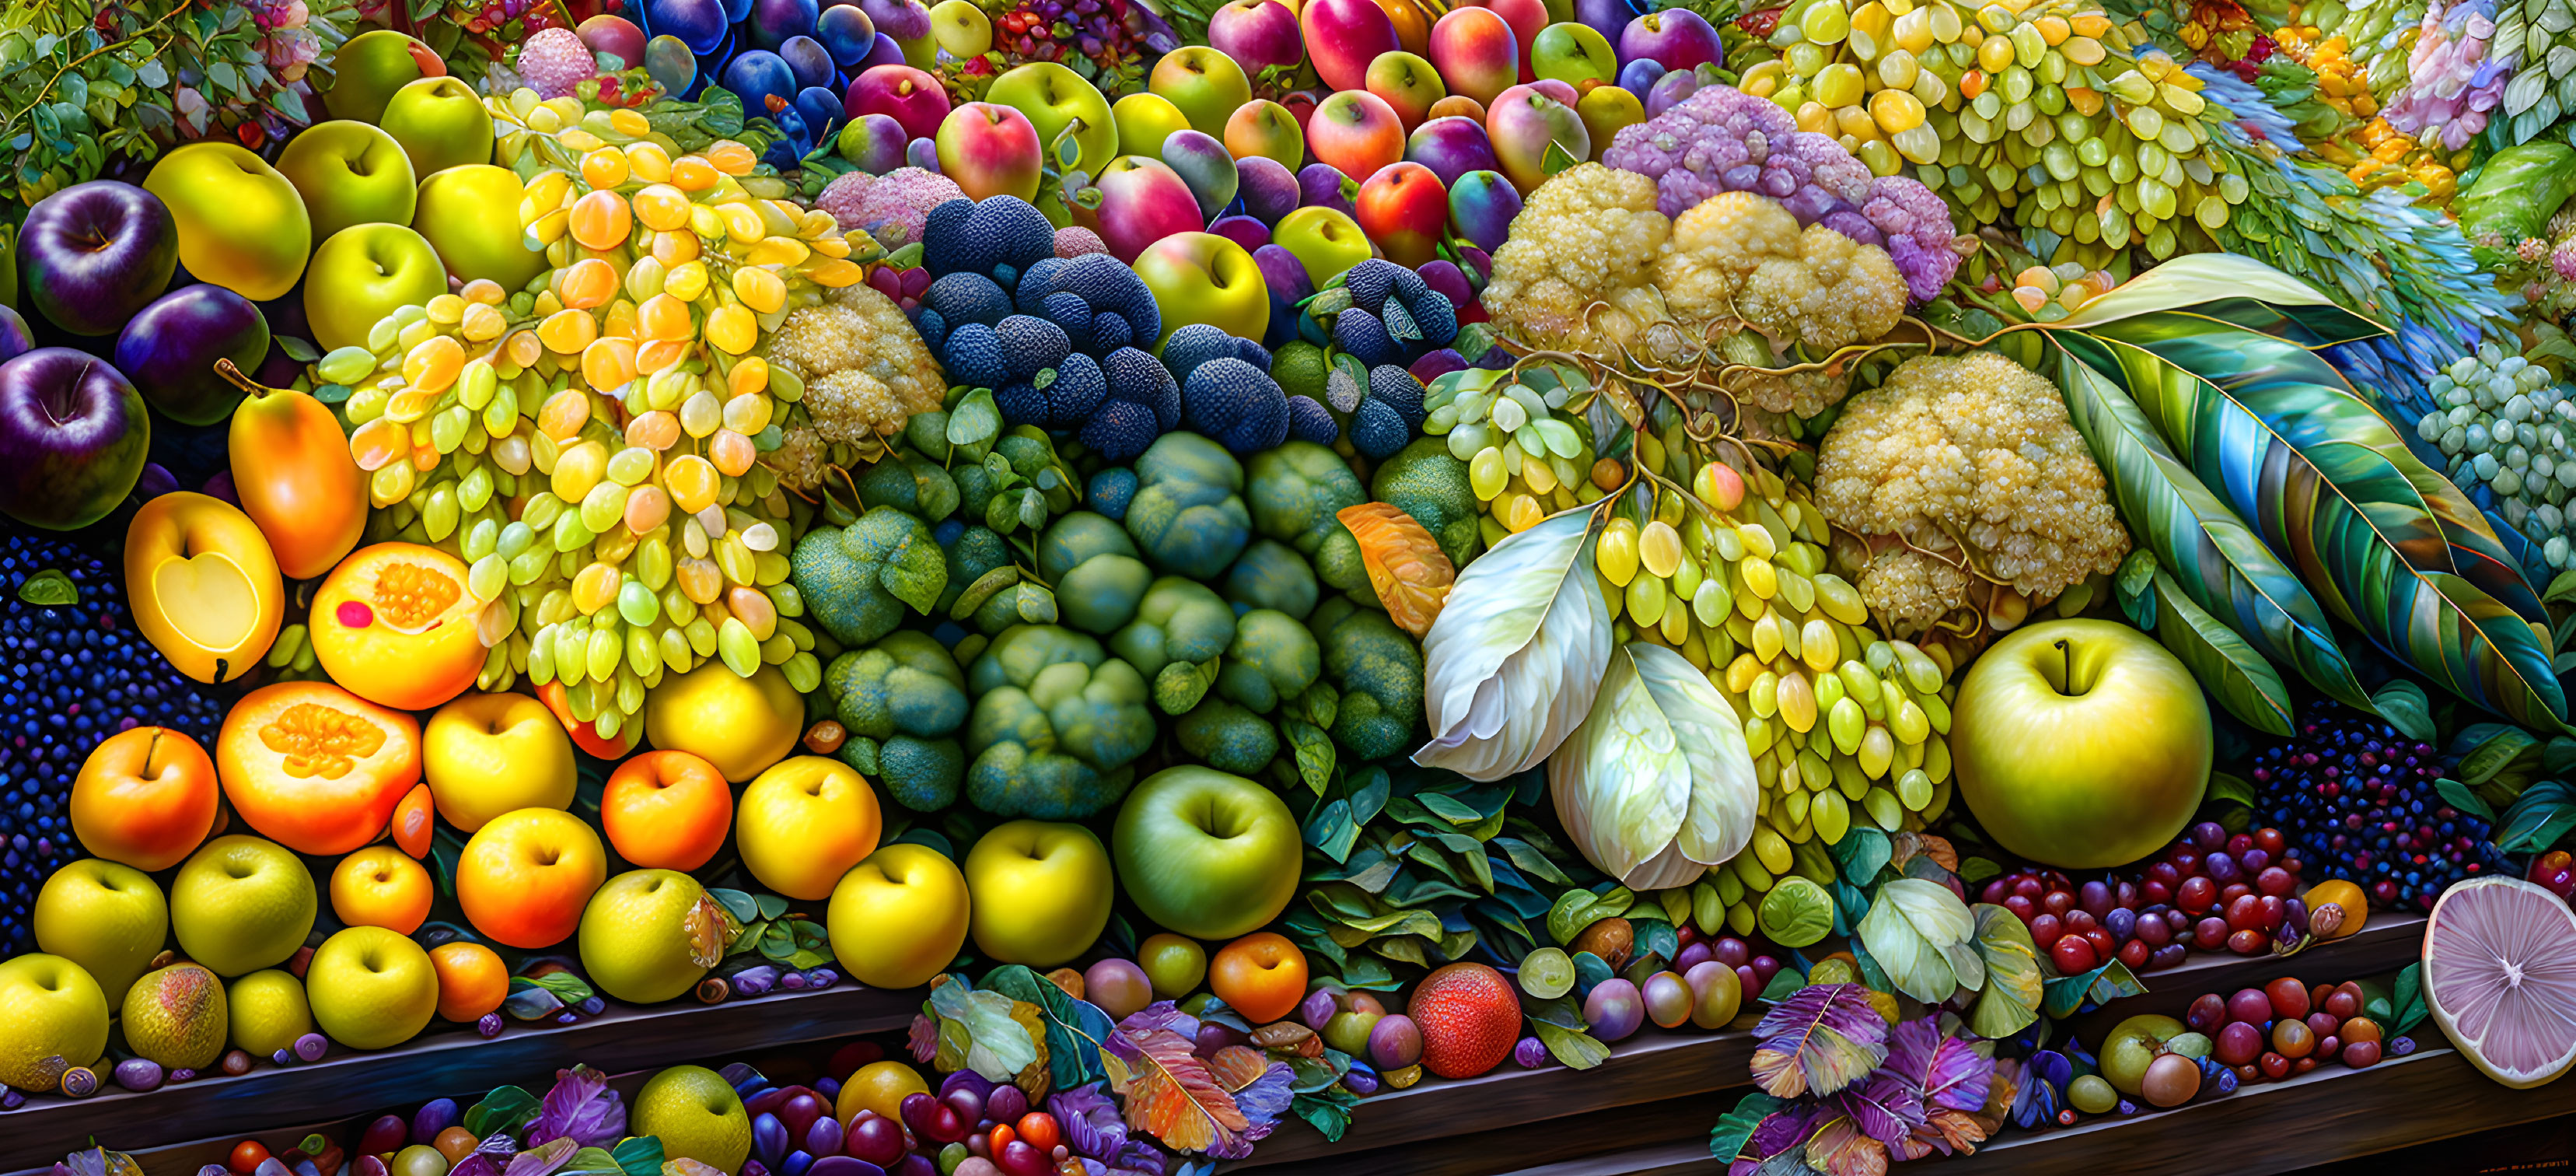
(1524, 121)
(1041, 892)
(990, 150)
(361, 274)
(242, 903)
(1139, 201)
(1326, 240)
(49, 1008)
(2081, 743)
(1144, 120)
(488, 754)
(638, 941)
(804, 823)
(1205, 278)
(440, 123)
(961, 28)
(898, 918)
(470, 214)
(1576, 54)
(741, 725)
(242, 226)
(1409, 86)
(1205, 853)
(371, 987)
(1205, 84)
(1607, 109)
(350, 173)
(1055, 98)
(1263, 127)
(367, 70)
(696, 1115)
(108, 918)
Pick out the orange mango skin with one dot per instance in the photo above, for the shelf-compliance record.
(295, 478)
(179, 525)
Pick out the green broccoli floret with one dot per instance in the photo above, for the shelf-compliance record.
(1179, 631)
(1189, 515)
(975, 551)
(997, 490)
(1227, 737)
(902, 701)
(1427, 483)
(1272, 575)
(855, 580)
(1055, 720)
(1272, 660)
(1378, 670)
(911, 485)
(1098, 578)
(1295, 491)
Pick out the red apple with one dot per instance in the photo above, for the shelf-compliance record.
(1476, 53)
(1141, 201)
(1526, 17)
(912, 96)
(1403, 208)
(990, 150)
(1257, 34)
(1524, 120)
(1357, 133)
(1408, 84)
(1344, 36)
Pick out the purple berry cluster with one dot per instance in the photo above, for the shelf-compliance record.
(2358, 801)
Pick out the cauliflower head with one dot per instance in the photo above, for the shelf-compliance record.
(1971, 451)
(902, 701)
(1181, 627)
(856, 580)
(864, 369)
(1055, 720)
(1589, 234)
(1739, 255)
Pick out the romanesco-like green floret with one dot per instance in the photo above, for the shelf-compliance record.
(1378, 670)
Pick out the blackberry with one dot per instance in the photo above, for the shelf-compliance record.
(1399, 390)
(1370, 281)
(71, 674)
(963, 298)
(1193, 345)
(1031, 345)
(1364, 336)
(1311, 421)
(1068, 311)
(2357, 801)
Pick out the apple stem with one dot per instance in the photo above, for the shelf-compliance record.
(2067, 685)
(251, 387)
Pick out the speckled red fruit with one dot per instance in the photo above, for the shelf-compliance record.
(1469, 1019)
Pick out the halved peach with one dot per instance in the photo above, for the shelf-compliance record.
(395, 624)
(203, 585)
(314, 767)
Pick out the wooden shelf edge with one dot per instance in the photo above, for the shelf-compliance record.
(456, 1064)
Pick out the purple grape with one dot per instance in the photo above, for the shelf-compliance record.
(2220, 868)
(2294, 915)
(2121, 922)
(1531, 1053)
(824, 1137)
(312, 1046)
(2401, 1046)
(2096, 899)
(2209, 836)
(489, 1025)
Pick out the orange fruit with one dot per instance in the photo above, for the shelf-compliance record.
(395, 624)
(380, 887)
(667, 810)
(471, 980)
(315, 768)
(2356, 909)
(145, 797)
(414, 819)
(1469, 1019)
(1261, 976)
(526, 875)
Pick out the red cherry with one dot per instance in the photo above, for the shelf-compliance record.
(2249, 943)
(2155, 894)
(2240, 843)
(2057, 902)
(2270, 841)
(2103, 945)
(2021, 908)
(2073, 954)
(2079, 921)
(2134, 954)
(2210, 933)
(2197, 895)
(2044, 931)
(2233, 891)
(2275, 881)
(2274, 1066)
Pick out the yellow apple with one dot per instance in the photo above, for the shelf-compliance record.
(241, 904)
(49, 1008)
(440, 123)
(470, 213)
(361, 274)
(242, 226)
(804, 823)
(741, 725)
(898, 918)
(1041, 892)
(108, 918)
(371, 988)
(635, 940)
(350, 173)
(488, 754)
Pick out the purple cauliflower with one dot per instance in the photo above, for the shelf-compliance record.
(892, 207)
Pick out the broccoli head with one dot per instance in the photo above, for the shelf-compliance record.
(1098, 578)
(1227, 737)
(1055, 720)
(1188, 514)
(910, 484)
(972, 551)
(1271, 575)
(1378, 670)
(855, 580)
(1020, 483)
(1295, 490)
(1424, 481)
(1273, 659)
(1180, 629)
(902, 701)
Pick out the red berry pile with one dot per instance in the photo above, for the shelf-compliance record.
(2288, 1027)
(2209, 890)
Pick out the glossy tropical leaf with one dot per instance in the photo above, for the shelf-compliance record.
(2234, 289)
(2228, 668)
(2014, 985)
(978, 1032)
(2215, 560)
(2384, 542)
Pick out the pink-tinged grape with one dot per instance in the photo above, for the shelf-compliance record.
(1668, 1000)
(1395, 1042)
(1614, 1009)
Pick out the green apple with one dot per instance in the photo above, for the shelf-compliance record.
(1041, 892)
(2133, 1046)
(1205, 278)
(635, 938)
(108, 918)
(898, 917)
(470, 214)
(242, 226)
(961, 28)
(371, 987)
(696, 1115)
(1207, 854)
(367, 71)
(242, 903)
(350, 173)
(2081, 744)
(440, 124)
(1144, 121)
(361, 274)
(1326, 240)
(49, 1008)
(1054, 97)
(1206, 85)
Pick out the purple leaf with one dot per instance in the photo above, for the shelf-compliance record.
(1262, 1102)
(1821, 1039)
(476, 1164)
(1092, 1127)
(1140, 1158)
(2043, 1082)
(543, 1159)
(1779, 1132)
(1883, 1107)
(581, 1107)
(1942, 1071)
(1161, 1014)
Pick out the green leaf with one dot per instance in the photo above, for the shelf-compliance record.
(1528, 860)
(1922, 935)
(592, 1161)
(1861, 854)
(1449, 808)
(506, 1108)
(1735, 1127)
(974, 420)
(977, 1032)
(1314, 751)
(1332, 831)
(50, 588)
(2403, 705)
(2235, 789)
(638, 1155)
(2014, 983)
(2224, 663)
(771, 906)
(2463, 799)
(2498, 750)
(1328, 1111)
(2234, 289)
(2537, 818)
(1075, 1030)
(2408, 1000)
(1558, 159)
(1578, 1050)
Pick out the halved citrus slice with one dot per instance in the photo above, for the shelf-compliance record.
(1547, 973)
(2500, 978)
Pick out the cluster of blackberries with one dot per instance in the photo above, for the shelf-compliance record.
(2358, 802)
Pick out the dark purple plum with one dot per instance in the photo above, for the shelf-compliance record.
(1639, 77)
(170, 349)
(774, 22)
(756, 75)
(699, 24)
(903, 20)
(1322, 185)
(15, 338)
(1675, 38)
(1206, 166)
(1451, 147)
(73, 437)
(809, 61)
(845, 32)
(1268, 188)
(1608, 17)
(1287, 278)
(1242, 230)
(95, 253)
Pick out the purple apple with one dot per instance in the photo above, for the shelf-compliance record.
(1676, 38)
(15, 338)
(1638, 77)
(822, 110)
(170, 349)
(1323, 185)
(700, 24)
(908, 22)
(1443, 275)
(1268, 189)
(1451, 147)
(923, 154)
(1608, 17)
(1206, 166)
(1257, 34)
(73, 436)
(95, 253)
(615, 36)
(1242, 230)
(774, 22)
(1481, 207)
(874, 142)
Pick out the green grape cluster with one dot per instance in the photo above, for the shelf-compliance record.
(1522, 434)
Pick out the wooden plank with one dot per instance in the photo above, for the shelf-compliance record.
(443, 1064)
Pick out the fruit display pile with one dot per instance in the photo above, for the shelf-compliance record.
(1250, 558)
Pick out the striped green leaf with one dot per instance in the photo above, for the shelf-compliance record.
(2228, 668)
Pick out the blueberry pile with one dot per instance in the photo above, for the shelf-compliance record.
(70, 675)
(2358, 802)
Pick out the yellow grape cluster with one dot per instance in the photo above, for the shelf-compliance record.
(1844, 727)
(1524, 461)
(592, 444)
